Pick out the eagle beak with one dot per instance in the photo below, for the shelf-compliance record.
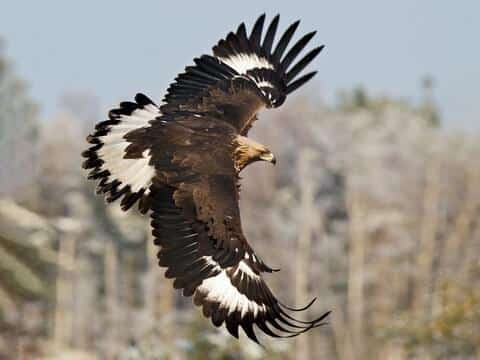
(270, 158)
(273, 160)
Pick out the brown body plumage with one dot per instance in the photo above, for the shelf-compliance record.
(248, 151)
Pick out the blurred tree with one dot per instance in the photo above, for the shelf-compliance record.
(452, 333)
(358, 99)
(59, 162)
(18, 131)
(84, 106)
(428, 108)
(25, 265)
(354, 100)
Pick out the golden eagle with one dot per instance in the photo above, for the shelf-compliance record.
(181, 160)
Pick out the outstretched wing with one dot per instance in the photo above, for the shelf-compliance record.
(230, 292)
(247, 54)
(122, 167)
(244, 74)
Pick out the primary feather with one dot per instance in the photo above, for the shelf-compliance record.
(181, 160)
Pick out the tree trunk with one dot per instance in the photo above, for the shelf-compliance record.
(422, 294)
(160, 302)
(356, 276)
(63, 325)
(111, 300)
(307, 210)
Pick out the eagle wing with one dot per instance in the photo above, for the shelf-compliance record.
(233, 293)
(244, 74)
(122, 168)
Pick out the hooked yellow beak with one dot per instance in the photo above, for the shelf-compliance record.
(269, 157)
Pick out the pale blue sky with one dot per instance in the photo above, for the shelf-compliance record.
(117, 48)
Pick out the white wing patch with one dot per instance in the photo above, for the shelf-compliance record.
(244, 62)
(264, 83)
(220, 289)
(134, 172)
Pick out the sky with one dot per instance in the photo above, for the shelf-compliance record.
(115, 49)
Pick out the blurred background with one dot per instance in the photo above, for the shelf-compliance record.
(373, 206)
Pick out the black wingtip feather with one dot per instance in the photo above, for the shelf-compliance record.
(295, 50)
(301, 81)
(284, 41)
(243, 45)
(256, 34)
(232, 328)
(270, 35)
(143, 100)
(299, 309)
(303, 63)
(247, 327)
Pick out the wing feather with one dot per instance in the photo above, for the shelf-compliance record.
(296, 49)
(256, 34)
(284, 40)
(299, 66)
(121, 167)
(297, 83)
(270, 35)
(238, 59)
(232, 294)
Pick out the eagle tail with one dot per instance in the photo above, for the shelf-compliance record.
(122, 166)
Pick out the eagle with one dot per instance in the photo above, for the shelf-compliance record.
(180, 161)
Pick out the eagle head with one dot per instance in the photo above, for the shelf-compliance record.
(248, 151)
